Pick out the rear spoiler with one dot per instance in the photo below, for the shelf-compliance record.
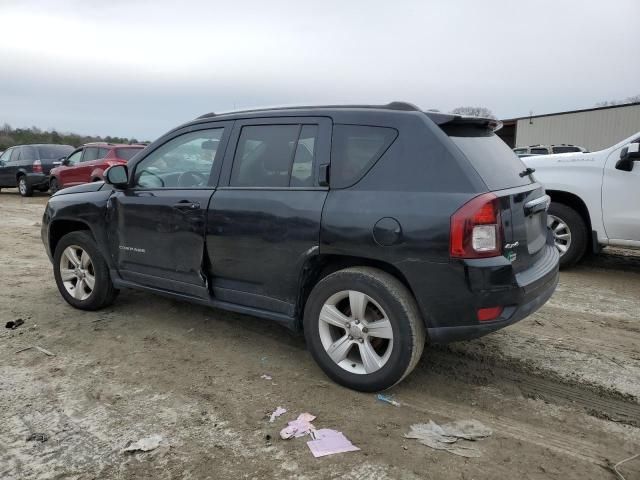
(450, 120)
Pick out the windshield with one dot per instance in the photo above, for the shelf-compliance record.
(494, 161)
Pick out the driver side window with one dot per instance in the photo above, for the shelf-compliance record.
(184, 162)
(74, 159)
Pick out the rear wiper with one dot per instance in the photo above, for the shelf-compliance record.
(527, 171)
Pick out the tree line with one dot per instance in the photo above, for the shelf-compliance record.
(22, 136)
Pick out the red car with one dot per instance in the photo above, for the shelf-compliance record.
(88, 163)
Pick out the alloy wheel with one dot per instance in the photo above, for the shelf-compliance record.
(561, 233)
(355, 332)
(77, 272)
(22, 186)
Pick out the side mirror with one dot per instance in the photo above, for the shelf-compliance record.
(65, 162)
(118, 176)
(628, 155)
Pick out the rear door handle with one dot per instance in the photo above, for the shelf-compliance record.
(538, 205)
(187, 205)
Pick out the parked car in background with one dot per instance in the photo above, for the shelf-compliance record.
(371, 228)
(88, 163)
(547, 149)
(27, 166)
(595, 198)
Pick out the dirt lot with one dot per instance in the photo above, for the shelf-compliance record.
(560, 390)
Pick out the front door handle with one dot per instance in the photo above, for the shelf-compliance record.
(187, 205)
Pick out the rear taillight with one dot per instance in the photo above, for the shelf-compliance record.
(476, 228)
(488, 314)
(37, 166)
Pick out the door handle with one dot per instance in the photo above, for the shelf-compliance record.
(187, 205)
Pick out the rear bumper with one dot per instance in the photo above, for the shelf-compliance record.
(37, 180)
(529, 290)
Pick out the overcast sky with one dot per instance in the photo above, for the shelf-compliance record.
(140, 67)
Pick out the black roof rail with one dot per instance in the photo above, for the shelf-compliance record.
(402, 106)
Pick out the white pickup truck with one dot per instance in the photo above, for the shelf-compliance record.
(595, 198)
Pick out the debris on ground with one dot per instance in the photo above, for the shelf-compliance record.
(278, 411)
(38, 437)
(13, 324)
(615, 467)
(328, 442)
(299, 427)
(46, 352)
(446, 436)
(387, 399)
(266, 377)
(144, 444)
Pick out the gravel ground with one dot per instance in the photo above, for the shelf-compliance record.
(559, 390)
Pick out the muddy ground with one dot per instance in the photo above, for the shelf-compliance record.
(560, 390)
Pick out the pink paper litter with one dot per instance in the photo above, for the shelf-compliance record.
(329, 442)
(299, 427)
(278, 411)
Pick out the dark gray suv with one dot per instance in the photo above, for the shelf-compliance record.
(374, 229)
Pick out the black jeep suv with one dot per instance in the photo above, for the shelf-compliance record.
(372, 228)
(28, 166)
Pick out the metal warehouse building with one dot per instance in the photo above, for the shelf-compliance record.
(592, 128)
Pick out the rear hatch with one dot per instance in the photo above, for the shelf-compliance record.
(523, 201)
(50, 156)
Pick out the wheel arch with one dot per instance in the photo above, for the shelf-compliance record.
(574, 201)
(59, 228)
(319, 266)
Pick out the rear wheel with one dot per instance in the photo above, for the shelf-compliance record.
(23, 187)
(363, 328)
(81, 273)
(569, 233)
(53, 186)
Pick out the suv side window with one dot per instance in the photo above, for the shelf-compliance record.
(355, 149)
(6, 156)
(74, 158)
(539, 151)
(28, 153)
(275, 156)
(183, 162)
(90, 153)
(103, 152)
(17, 154)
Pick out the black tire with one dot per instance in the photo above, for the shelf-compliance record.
(402, 311)
(103, 293)
(579, 233)
(53, 186)
(23, 186)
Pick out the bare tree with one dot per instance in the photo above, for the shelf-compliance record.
(612, 103)
(474, 112)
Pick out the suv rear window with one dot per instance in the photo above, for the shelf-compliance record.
(494, 161)
(54, 152)
(355, 149)
(126, 153)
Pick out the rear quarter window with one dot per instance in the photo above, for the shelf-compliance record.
(494, 161)
(54, 152)
(355, 149)
(126, 153)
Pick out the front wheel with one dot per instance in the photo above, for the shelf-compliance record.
(363, 328)
(23, 187)
(569, 233)
(81, 273)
